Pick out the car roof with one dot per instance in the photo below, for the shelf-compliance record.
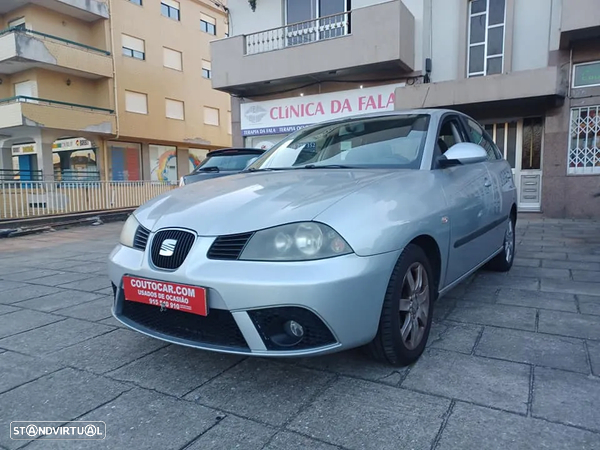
(236, 151)
(434, 112)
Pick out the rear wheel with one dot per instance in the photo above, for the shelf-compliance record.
(503, 261)
(407, 310)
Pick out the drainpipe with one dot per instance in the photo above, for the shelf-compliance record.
(115, 91)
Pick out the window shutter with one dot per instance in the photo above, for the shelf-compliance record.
(132, 43)
(171, 3)
(211, 116)
(136, 102)
(175, 109)
(208, 19)
(172, 59)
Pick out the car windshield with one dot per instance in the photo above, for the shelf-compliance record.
(389, 141)
(226, 162)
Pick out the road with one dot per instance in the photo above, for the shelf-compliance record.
(513, 362)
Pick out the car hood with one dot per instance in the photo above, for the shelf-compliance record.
(200, 176)
(251, 201)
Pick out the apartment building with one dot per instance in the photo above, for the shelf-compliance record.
(529, 70)
(109, 89)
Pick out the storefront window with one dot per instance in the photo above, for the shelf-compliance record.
(125, 160)
(76, 165)
(163, 163)
(196, 156)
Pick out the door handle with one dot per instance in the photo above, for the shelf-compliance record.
(487, 183)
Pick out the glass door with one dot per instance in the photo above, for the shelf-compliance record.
(312, 20)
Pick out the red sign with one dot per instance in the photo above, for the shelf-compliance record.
(181, 297)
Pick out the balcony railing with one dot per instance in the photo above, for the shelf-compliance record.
(18, 174)
(326, 27)
(21, 30)
(44, 101)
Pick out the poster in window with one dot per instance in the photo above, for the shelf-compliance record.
(163, 163)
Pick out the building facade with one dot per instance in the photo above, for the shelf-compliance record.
(529, 70)
(109, 89)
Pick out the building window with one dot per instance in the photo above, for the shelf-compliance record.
(136, 102)
(211, 116)
(322, 20)
(172, 59)
(174, 109)
(486, 37)
(18, 24)
(133, 47)
(208, 24)
(125, 161)
(584, 147)
(206, 69)
(170, 9)
(136, 2)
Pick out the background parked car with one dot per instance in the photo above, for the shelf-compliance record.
(219, 163)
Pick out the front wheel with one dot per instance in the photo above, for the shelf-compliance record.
(503, 261)
(407, 310)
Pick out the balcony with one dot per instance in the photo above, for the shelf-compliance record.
(374, 38)
(88, 10)
(580, 20)
(37, 112)
(22, 49)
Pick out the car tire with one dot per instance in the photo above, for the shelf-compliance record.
(503, 261)
(407, 302)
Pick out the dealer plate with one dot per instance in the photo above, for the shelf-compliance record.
(181, 297)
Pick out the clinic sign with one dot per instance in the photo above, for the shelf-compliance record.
(290, 114)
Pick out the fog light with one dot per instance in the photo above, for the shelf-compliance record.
(293, 328)
(290, 334)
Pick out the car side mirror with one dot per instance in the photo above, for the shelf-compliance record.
(463, 153)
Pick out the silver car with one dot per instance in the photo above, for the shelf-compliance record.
(344, 234)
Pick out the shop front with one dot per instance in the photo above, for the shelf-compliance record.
(75, 160)
(24, 163)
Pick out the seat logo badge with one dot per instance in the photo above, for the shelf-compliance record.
(167, 248)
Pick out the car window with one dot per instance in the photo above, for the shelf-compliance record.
(479, 136)
(226, 162)
(449, 134)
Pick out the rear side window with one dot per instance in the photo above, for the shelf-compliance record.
(479, 136)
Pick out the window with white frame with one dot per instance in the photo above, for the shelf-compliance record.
(136, 2)
(211, 116)
(584, 145)
(172, 59)
(136, 102)
(206, 69)
(208, 24)
(485, 55)
(133, 47)
(323, 19)
(170, 9)
(174, 109)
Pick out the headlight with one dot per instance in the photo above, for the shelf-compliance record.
(301, 241)
(128, 231)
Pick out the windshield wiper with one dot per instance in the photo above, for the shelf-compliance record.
(266, 169)
(326, 166)
(208, 169)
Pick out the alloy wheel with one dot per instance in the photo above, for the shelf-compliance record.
(414, 305)
(509, 241)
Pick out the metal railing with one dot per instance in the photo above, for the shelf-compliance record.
(76, 175)
(299, 33)
(27, 99)
(22, 30)
(23, 199)
(19, 174)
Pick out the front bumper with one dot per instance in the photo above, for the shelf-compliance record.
(338, 301)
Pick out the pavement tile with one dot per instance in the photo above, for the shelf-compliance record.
(570, 287)
(538, 272)
(29, 275)
(561, 256)
(594, 351)
(589, 304)
(53, 337)
(592, 276)
(96, 283)
(24, 320)
(583, 257)
(533, 348)
(504, 281)
(286, 440)
(58, 300)
(18, 369)
(568, 324)
(387, 416)
(95, 310)
(476, 293)
(6, 286)
(90, 268)
(567, 398)
(63, 278)
(574, 265)
(28, 291)
(57, 264)
(537, 299)
(495, 315)
(235, 433)
(63, 395)
(526, 262)
(249, 389)
(5, 309)
(174, 369)
(453, 336)
(498, 430)
(500, 384)
(107, 352)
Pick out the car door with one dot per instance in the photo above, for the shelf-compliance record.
(466, 191)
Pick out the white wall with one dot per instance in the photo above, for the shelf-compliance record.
(268, 14)
(531, 34)
(445, 38)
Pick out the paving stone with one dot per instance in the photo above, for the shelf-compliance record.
(286, 440)
(174, 369)
(59, 300)
(500, 384)
(592, 276)
(525, 262)
(57, 264)
(538, 272)
(63, 395)
(18, 369)
(515, 282)
(96, 283)
(53, 337)
(30, 275)
(496, 315)
(533, 348)
(95, 310)
(537, 299)
(5, 309)
(113, 323)
(235, 433)
(568, 324)
(574, 265)
(475, 293)
(583, 257)
(28, 291)
(454, 336)
(567, 398)
(589, 304)
(24, 320)
(570, 287)
(498, 430)
(63, 278)
(94, 268)
(387, 416)
(105, 291)
(6, 286)
(594, 351)
(262, 390)
(542, 255)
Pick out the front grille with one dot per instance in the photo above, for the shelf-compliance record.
(183, 244)
(140, 239)
(218, 328)
(269, 321)
(228, 247)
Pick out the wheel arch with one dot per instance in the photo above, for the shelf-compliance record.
(431, 248)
